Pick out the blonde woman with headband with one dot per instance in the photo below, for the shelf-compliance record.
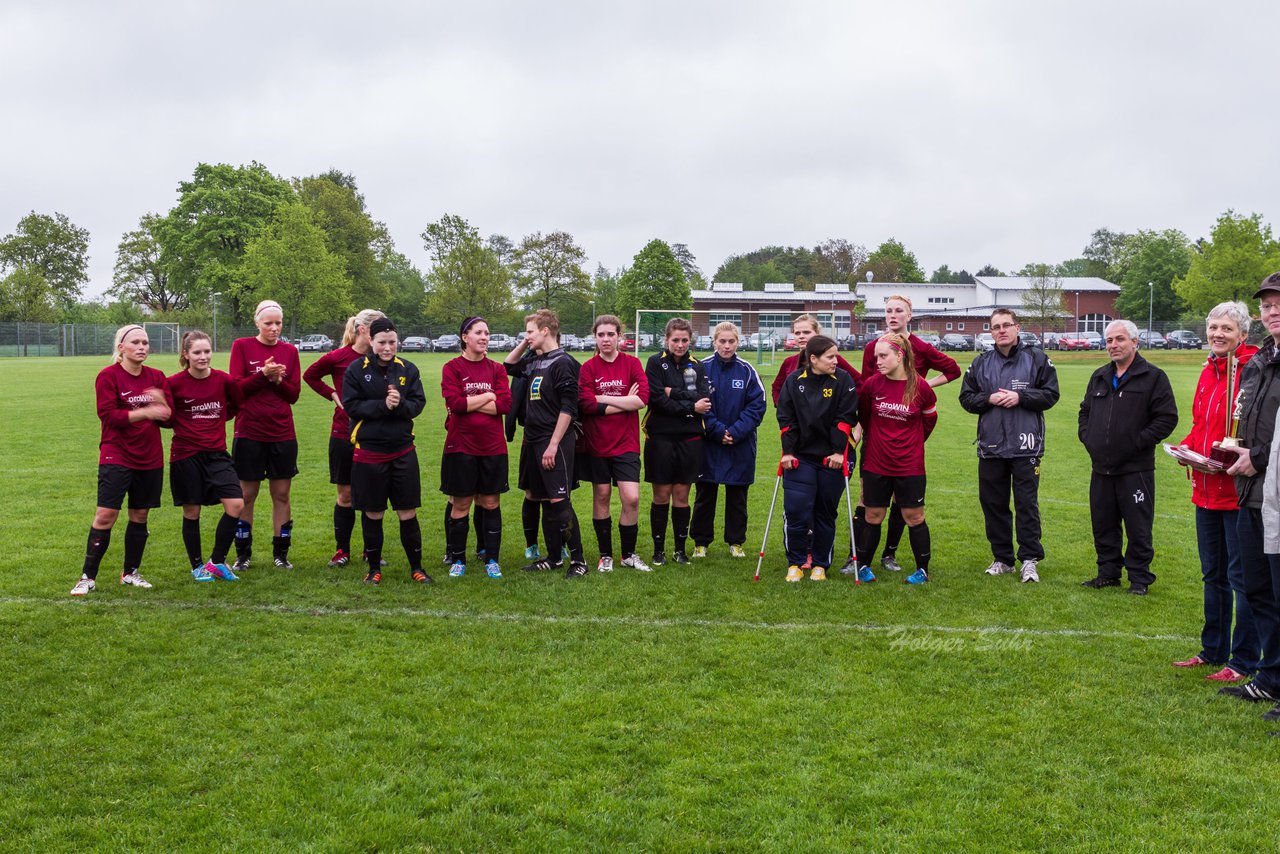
(132, 401)
(265, 446)
(332, 366)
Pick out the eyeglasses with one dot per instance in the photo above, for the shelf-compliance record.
(996, 327)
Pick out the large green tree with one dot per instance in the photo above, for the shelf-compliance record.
(654, 280)
(139, 275)
(893, 262)
(25, 296)
(689, 263)
(1042, 301)
(1239, 253)
(605, 286)
(549, 270)
(1105, 254)
(53, 247)
(406, 286)
(469, 280)
(220, 211)
(1153, 260)
(291, 264)
(351, 234)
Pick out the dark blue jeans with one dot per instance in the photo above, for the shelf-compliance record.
(811, 495)
(1261, 582)
(1224, 592)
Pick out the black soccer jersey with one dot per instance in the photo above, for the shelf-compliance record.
(551, 388)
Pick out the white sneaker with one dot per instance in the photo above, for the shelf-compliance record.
(605, 564)
(999, 568)
(1029, 571)
(84, 586)
(135, 579)
(635, 562)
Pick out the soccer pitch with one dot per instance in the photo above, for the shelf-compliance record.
(684, 710)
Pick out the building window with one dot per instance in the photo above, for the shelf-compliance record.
(1094, 323)
(774, 321)
(960, 326)
(986, 327)
(942, 300)
(948, 327)
(717, 317)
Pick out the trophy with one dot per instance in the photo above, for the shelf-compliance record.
(1221, 450)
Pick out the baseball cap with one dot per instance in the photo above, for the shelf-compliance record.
(1269, 284)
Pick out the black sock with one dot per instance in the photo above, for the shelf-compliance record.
(920, 545)
(411, 539)
(477, 522)
(552, 534)
(604, 535)
(222, 537)
(894, 535)
(573, 531)
(95, 548)
(286, 539)
(870, 542)
(191, 539)
(456, 538)
(372, 531)
(491, 525)
(344, 522)
(529, 511)
(135, 540)
(629, 535)
(244, 539)
(658, 526)
(859, 532)
(680, 525)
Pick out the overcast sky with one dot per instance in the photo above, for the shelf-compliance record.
(974, 132)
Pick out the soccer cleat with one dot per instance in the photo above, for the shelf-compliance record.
(492, 569)
(1193, 661)
(201, 573)
(818, 574)
(84, 586)
(1226, 674)
(865, 575)
(283, 563)
(340, 558)
(736, 550)
(850, 566)
(680, 557)
(635, 562)
(531, 553)
(419, 577)
(699, 551)
(808, 563)
(542, 564)
(241, 564)
(1100, 582)
(364, 556)
(221, 570)
(1029, 573)
(1249, 691)
(890, 563)
(577, 569)
(920, 576)
(373, 576)
(1137, 588)
(446, 560)
(795, 573)
(605, 564)
(659, 558)
(133, 579)
(458, 569)
(998, 567)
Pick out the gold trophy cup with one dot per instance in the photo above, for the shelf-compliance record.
(1221, 450)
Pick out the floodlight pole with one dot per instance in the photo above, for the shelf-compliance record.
(216, 294)
(1151, 301)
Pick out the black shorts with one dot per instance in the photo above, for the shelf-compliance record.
(373, 484)
(624, 468)
(205, 478)
(672, 460)
(879, 490)
(466, 475)
(256, 461)
(143, 486)
(544, 484)
(340, 452)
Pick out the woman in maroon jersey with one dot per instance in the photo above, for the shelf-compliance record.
(132, 401)
(200, 469)
(265, 446)
(898, 411)
(803, 328)
(333, 366)
(474, 464)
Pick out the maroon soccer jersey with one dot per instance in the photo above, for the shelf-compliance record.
(201, 410)
(476, 433)
(927, 357)
(332, 365)
(134, 445)
(790, 363)
(619, 433)
(893, 433)
(266, 408)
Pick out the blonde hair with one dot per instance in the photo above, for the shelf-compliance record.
(809, 319)
(364, 318)
(899, 298)
(726, 326)
(266, 305)
(116, 356)
(545, 318)
(189, 338)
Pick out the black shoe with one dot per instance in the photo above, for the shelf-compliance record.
(577, 569)
(1137, 588)
(680, 557)
(1248, 691)
(542, 564)
(1273, 715)
(659, 559)
(1100, 582)
(850, 566)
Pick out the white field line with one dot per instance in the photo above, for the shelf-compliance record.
(592, 620)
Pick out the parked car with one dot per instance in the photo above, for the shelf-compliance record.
(415, 344)
(1183, 339)
(315, 343)
(1030, 339)
(790, 343)
(1051, 340)
(930, 338)
(855, 342)
(447, 344)
(1095, 339)
(1150, 340)
(956, 342)
(500, 343)
(986, 341)
(627, 344)
(569, 341)
(1073, 341)
(704, 342)
(762, 341)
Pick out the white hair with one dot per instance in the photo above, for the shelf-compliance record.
(1127, 326)
(1236, 312)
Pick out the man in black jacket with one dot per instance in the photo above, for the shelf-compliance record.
(1009, 388)
(1128, 409)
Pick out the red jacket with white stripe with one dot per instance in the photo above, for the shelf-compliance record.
(1209, 425)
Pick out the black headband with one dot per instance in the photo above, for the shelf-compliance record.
(381, 324)
(470, 322)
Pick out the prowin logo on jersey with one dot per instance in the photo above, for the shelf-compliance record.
(535, 389)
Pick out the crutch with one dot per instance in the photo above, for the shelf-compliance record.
(768, 522)
(853, 545)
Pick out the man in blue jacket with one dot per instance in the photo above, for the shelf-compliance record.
(729, 449)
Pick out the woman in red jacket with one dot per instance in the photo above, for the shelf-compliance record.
(132, 401)
(1214, 495)
(333, 366)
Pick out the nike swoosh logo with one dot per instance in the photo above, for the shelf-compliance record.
(188, 400)
(255, 363)
(125, 393)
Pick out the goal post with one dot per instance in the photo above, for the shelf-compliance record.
(164, 337)
(765, 333)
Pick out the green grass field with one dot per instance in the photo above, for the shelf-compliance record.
(684, 710)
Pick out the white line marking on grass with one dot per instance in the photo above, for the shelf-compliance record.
(590, 619)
